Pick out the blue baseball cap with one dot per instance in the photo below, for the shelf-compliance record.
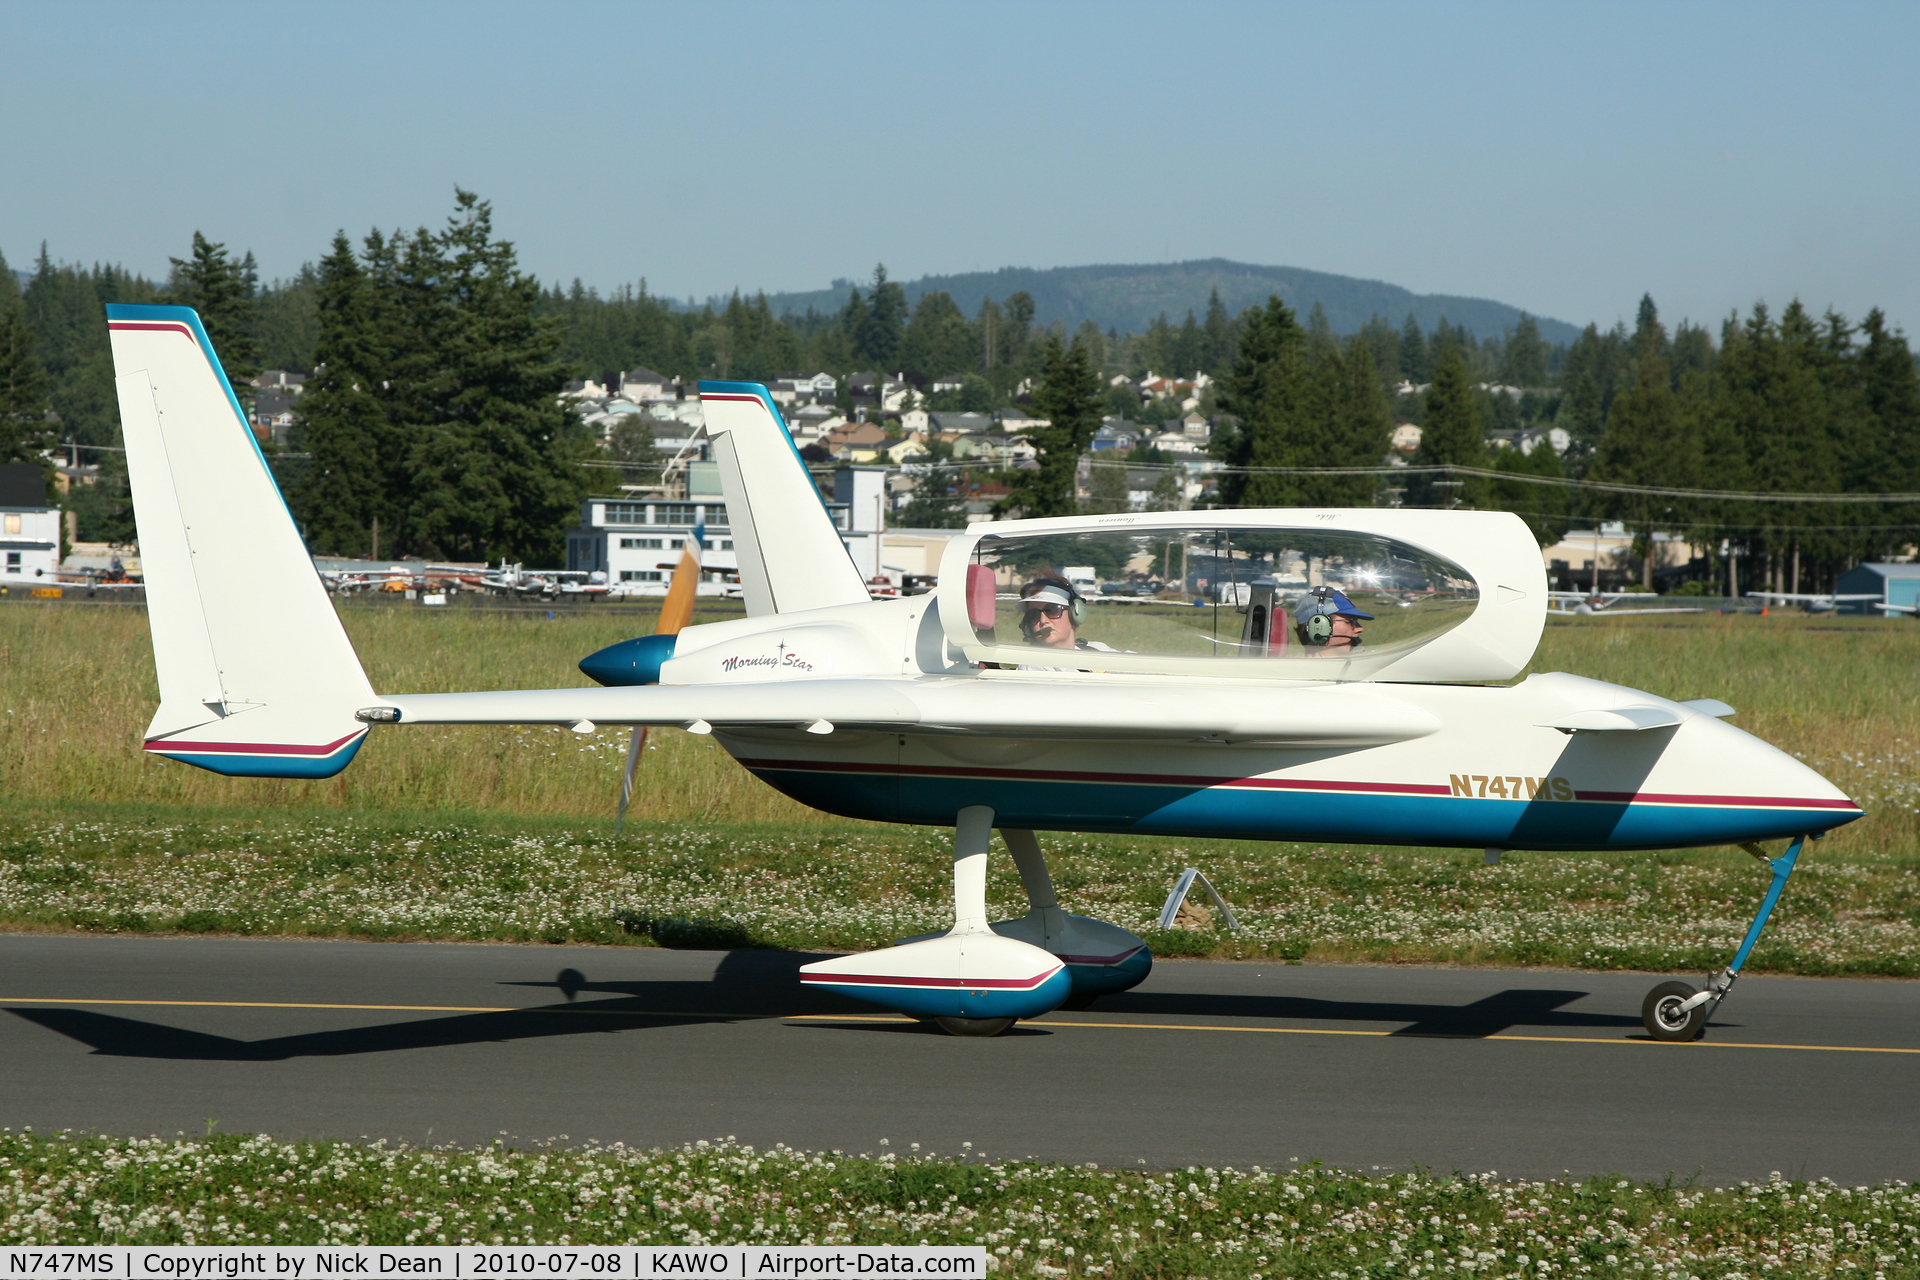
(1334, 604)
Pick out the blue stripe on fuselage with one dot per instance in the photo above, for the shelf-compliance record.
(1264, 814)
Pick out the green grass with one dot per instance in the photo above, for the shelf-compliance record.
(489, 833)
(1047, 1220)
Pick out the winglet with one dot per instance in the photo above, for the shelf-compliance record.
(256, 676)
(791, 557)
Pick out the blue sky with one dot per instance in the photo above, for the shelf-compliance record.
(1560, 157)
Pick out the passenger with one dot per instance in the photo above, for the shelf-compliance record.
(1328, 623)
(1051, 612)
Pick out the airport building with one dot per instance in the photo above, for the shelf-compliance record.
(1895, 584)
(636, 541)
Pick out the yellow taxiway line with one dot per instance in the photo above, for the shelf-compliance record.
(897, 1018)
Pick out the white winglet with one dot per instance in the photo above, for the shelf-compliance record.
(790, 555)
(256, 677)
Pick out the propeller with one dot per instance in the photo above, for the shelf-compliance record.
(675, 613)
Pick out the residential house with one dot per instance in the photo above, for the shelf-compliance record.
(1406, 437)
(1116, 433)
(29, 527)
(1017, 419)
(273, 415)
(811, 422)
(643, 384)
(902, 451)
(958, 423)
(282, 380)
(915, 421)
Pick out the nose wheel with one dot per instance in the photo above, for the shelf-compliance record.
(1668, 1016)
(1674, 1011)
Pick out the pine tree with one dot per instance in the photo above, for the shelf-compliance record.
(222, 291)
(1523, 363)
(880, 328)
(1279, 406)
(1217, 344)
(343, 421)
(1892, 387)
(24, 430)
(938, 341)
(1358, 425)
(495, 464)
(1416, 361)
(1452, 435)
(1545, 508)
(1646, 441)
(1069, 397)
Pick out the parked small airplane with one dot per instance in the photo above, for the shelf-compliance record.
(1898, 608)
(1812, 603)
(1585, 604)
(999, 699)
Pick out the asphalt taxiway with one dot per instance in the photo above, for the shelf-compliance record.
(1528, 1073)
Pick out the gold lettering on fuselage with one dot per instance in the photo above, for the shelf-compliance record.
(1496, 786)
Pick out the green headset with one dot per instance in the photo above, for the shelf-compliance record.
(1314, 622)
(1076, 606)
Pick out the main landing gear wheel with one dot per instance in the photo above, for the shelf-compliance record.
(1666, 1020)
(973, 1026)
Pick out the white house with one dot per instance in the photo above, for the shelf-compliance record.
(29, 527)
(644, 384)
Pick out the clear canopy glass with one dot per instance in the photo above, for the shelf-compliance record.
(1210, 597)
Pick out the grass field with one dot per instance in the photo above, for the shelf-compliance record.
(1045, 1220)
(506, 833)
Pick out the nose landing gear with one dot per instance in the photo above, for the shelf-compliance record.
(1674, 1011)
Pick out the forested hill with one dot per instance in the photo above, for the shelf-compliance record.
(1128, 298)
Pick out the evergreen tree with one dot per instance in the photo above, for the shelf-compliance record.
(1523, 362)
(1646, 441)
(1416, 361)
(1358, 425)
(1279, 407)
(24, 430)
(288, 319)
(495, 467)
(438, 410)
(1217, 343)
(222, 291)
(1545, 508)
(1892, 388)
(938, 341)
(1069, 398)
(343, 421)
(1384, 344)
(881, 325)
(1452, 434)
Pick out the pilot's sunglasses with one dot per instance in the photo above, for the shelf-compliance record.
(1050, 610)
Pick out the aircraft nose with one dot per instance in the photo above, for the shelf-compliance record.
(1792, 788)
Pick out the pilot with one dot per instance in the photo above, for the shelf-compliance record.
(1328, 624)
(1051, 612)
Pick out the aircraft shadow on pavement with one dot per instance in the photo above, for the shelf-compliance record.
(1534, 1008)
(753, 985)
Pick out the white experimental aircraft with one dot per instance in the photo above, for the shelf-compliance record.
(1816, 602)
(957, 709)
(1592, 604)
